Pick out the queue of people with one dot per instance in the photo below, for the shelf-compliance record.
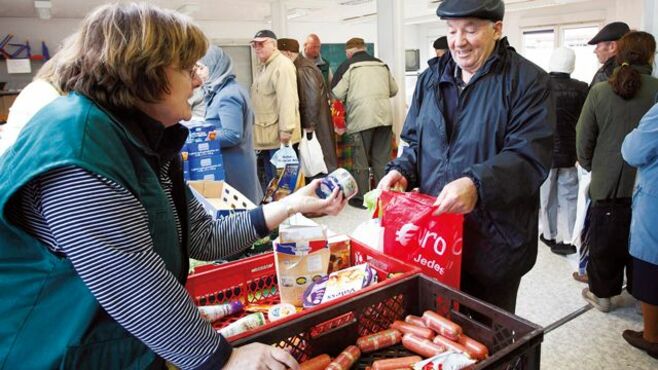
(113, 101)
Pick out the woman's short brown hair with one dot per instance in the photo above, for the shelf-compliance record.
(120, 53)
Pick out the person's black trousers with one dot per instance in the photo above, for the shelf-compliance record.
(502, 294)
(610, 222)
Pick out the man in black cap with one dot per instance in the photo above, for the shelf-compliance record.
(440, 46)
(480, 132)
(274, 100)
(606, 49)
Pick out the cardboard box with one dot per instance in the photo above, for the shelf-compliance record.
(213, 173)
(204, 148)
(301, 256)
(218, 198)
(200, 131)
(339, 250)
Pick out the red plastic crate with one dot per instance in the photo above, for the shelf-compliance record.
(253, 280)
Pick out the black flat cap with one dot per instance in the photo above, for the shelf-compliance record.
(441, 43)
(611, 32)
(492, 10)
(264, 34)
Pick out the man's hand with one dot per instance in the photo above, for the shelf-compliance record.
(260, 357)
(459, 196)
(393, 180)
(284, 137)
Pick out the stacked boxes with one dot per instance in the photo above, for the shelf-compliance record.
(202, 159)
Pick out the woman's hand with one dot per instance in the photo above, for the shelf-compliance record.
(305, 200)
(259, 356)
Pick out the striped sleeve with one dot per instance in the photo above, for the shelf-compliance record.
(226, 236)
(103, 230)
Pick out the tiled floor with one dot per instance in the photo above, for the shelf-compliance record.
(547, 294)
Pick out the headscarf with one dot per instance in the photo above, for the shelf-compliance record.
(220, 69)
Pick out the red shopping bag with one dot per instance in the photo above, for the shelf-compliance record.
(414, 235)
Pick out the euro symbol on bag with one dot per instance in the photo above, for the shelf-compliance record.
(406, 233)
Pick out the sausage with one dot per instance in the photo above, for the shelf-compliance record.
(379, 340)
(449, 344)
(442, 325)
(345, 359)
(396, 363)
(405, 328)
(415, 320)
(421, 346)
(475, 349)
(316, 363)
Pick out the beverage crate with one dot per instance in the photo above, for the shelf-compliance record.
(253, 280)
(513, 342)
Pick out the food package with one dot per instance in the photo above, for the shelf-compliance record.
(244, 324)
(314, 293)
(446, 361)
(348, 281)
(301, 256)
(339, 249)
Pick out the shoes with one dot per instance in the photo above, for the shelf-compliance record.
(581, 278)
(601, 304)
(636, 339)
(563, 249)
(549, 242)
(356, 203)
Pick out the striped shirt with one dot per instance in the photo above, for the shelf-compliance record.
(103, 229)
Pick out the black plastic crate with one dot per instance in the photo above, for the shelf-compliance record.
(513, 342)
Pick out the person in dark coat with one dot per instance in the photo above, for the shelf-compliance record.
(611, 111)
(440, 46)
(480, 131)
(606, 49)
(559, 192)
(314, 111)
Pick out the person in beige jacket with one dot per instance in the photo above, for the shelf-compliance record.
(274, 98)
(365, 85)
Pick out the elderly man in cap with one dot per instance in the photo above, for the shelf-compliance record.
(606, 49)
(440, 46)
(365, 85)
(274, 98)
(480, 134)
(313, 104)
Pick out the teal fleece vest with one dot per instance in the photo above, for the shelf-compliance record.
(50, 319)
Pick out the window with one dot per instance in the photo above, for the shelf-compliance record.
(538, 45)
(586, 62)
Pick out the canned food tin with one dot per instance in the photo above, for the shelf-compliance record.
(340, 178)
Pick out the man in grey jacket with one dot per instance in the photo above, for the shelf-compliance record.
(364, 84)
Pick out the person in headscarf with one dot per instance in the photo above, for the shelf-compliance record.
(229, 109)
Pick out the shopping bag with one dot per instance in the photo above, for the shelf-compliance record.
(285, 155)
(413, 234)
(584, 178)
(311, 158)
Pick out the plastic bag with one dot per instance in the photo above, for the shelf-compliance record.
(412, 234)
(311, 158)
(285, 155)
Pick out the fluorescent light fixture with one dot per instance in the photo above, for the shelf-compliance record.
(297, 12)
(354, 2)
(43, 9)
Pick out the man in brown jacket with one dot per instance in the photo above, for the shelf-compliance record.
(314, 109)
(274, 98)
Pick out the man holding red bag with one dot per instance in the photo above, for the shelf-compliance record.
(480, 131)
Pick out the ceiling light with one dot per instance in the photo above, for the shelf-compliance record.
(43, 9)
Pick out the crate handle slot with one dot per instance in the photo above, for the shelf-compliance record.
(315, 334)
